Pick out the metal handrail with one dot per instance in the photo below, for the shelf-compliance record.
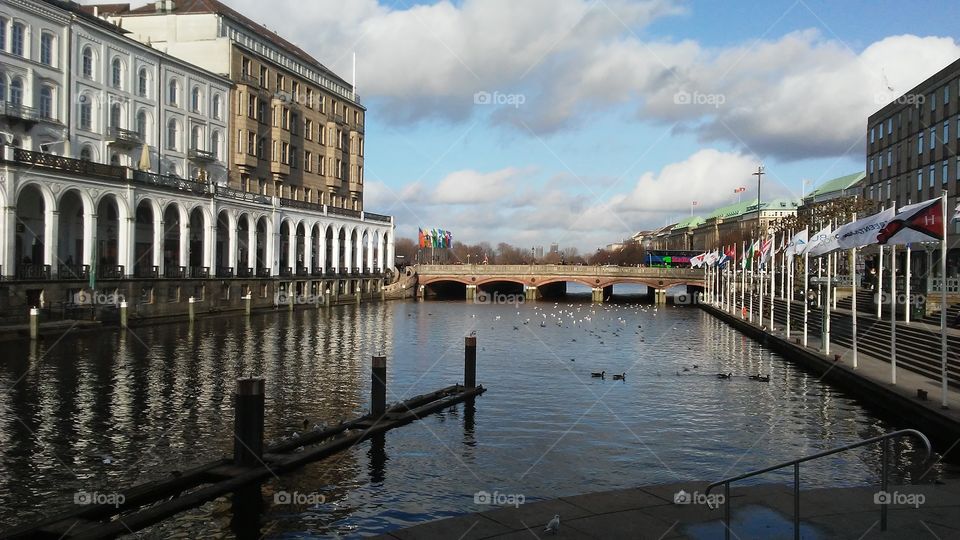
(796, 476)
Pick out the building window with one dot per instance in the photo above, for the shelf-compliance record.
(322, 166)
(946, 132)
(16, 91)
(142, 125)
(46, 102)
(3, 88)
(946, 173)
(3, 34)
(946, 94)
(143, 82)
(46, 49)
(308, 161)
(261, 146)
(251, 143)
(17, 34)
(216, 107)
(873, 131)
(310, 97)
(116, 70)
(195, 98)
(173, 92)
(933, 175)
(919, 180)
(280, 82)
(889, 158)
(323, 104)
(173, 133)
(87, 61)
(86, 154)
(308, 129)
(86, 113)
(115, 113)
(920, 143)
(933, 138)
(215, 144)
(264, 75)
(871, 165)
(245, 66)
(888, 189)
(880, 131)
(195, 137)
(285, 153)
(958, 168)
(880, 160)
(890, 126)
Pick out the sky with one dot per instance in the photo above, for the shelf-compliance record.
(582, 122)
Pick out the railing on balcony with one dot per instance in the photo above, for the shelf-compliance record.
(244, 272)
(302, 205)
(199, 272)
(286, 271)
(60, 163)
(339, 118)
(224, 271)
(172, 182)
(19, 111)
(250, 80)
(146, 272)
(124, 137)
(343, 212)
(302, 271)
(263, 272)
(111, 272)
(73, 271)
(316, 271)
(201, 156)
(370, 216)
(175, 272)
(239, 195)
(33, 271)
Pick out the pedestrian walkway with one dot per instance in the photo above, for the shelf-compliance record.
(758, 512)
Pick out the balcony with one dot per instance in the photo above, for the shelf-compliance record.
(43, 160)
(74, 271)
(124, 138)
(340, 119)
(245, 272)
(33, 271)
(355, 187)
(302, 205)
(224, 271)
(239, 195)
(370, 216)
(333, 182)
(263, 272)
(171, 182)
(18, 113)
(201, 157)
(332, 210)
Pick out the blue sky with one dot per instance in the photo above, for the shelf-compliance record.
(615, 114)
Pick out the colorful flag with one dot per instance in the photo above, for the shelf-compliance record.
(797, 244)
(921, 222)
(863, 232)
(822, 242)
(697, 261)
(956, 213)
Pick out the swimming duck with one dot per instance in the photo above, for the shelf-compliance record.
(724, 375)
(621, 377)
(759, 377)
(600, 375)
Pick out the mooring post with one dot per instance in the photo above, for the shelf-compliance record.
(34, 323)
(470, 362)
(192, 310)
(247, 301)
(378, 386)
(123, 314)
(248, 422)
(326, 298)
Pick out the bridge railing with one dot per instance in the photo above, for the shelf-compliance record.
(556, 269)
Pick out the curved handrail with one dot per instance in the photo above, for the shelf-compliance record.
(796, 475)
(865, 442)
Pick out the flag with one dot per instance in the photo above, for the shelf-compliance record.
(956, 213)
(797, 244)
(765, 249)
(822, 242)
(711, 258)
(749, 256)
(921, 222)
(863, 232)
(697, 261)
(740, 190)
(422, 238)
(729, 254)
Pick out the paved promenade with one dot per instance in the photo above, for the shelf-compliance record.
(758, 512)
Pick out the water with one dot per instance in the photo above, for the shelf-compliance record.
(95, 412)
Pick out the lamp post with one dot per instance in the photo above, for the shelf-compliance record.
(758, 174)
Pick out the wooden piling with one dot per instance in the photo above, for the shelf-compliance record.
(123, 314)
(247, 301)
(191, 309)
(248, 422)
(34, 323)
(470, 362)
(378, 386)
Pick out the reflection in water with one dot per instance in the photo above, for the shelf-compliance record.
(98, 411)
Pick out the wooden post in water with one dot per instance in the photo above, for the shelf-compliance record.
(248, 422)
(470, 362)
(247, 300)
(191, 308)
(123, 314)
(34, 323)
(378, 386)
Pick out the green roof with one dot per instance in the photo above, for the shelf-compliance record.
(838, 184)
(691, 221)
(733, 210)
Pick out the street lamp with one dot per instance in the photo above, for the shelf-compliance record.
(758, 174)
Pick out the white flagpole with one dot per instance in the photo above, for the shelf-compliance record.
(773, 278)
(879, 295)
(753, 272)
(853, 307)
(835, 257)
(943, 306)
(827, 305)
(761, 273)
(806, 291)
(788, 261)
(743, 280)
(908, 304)
(893, 314)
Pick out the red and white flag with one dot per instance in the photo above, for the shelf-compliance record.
(921, 222)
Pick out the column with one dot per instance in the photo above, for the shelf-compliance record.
(158, 244)
(308, 248)
(359, 247)
(597, 295)
(322, 250)
(380, 254)
(50, 230)
(347, 253)
(89, 239)
(184, 242)
(530, 293)
(471, 293)
(210, 244)
(232, 246)
(391, 258)
(9, 238)
(335, 251)
(292, 247)
(251, 244)
(125, 237)
(369, 260)
(273, 246)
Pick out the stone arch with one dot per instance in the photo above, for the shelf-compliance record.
(114, 245)
(34, 204)
(175, 242)
(146, 233)
(225, 240)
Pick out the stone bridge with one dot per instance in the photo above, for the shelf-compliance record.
(538, 278)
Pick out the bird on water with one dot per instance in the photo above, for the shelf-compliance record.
(620, 377)
(554, 525)
(600, 375)
(724, 375)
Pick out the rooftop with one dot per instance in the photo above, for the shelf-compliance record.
(837, 184)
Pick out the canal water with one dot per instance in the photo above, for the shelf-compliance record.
(95, 412)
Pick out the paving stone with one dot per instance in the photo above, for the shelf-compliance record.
(535, 515)
(615, 501)
(474, 526)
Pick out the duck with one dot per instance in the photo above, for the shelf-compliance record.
(620, 377)
(759, 377)
(686, 369)
(724, 375)
(599, 375)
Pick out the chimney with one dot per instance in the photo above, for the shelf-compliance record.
(165, 6)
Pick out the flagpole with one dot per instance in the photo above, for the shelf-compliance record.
(743, 279)
(853, 316)
(879, 295)
(893, 314)
(760, 293)
(943, 306)
(789, 284)
(806, 291)
(908, 304)
(773, 278)
(828, 304)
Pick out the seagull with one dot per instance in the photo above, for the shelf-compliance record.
(554, 524)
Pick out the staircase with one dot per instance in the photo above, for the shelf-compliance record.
(952, 311)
